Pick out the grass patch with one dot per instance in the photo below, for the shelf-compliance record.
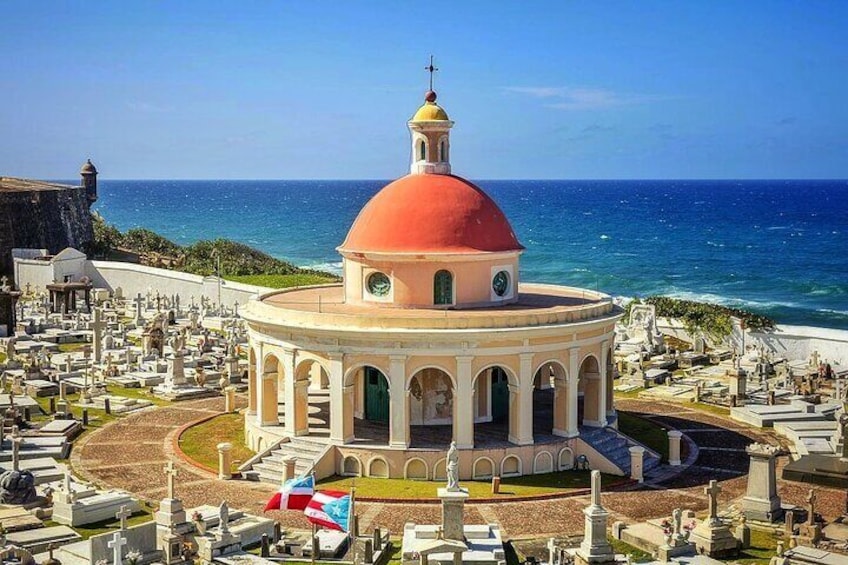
(200, 442)
(638, 555)
(282, 281)
(71, 347)
(644, 431)
(763, 548)
(530, 485)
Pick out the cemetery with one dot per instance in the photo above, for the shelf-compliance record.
(428, 408)
(77, 383)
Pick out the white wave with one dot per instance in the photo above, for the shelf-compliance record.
(604, 236)
(334, 267)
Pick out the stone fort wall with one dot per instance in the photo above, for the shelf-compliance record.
(51, 219)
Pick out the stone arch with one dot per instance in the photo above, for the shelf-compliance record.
(272, 385)
(304, 368)
(351, 466)
(543, 463)
(440, 472)
(260, 444)
(511, 466)
(350, 372)
(590, 405)
(495, 402)
(414, 370)
(416, 469)
(378, 467)
(551, 399)
(484, 468)
(565, 459)
(431, 397)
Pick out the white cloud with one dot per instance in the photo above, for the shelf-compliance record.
(582, 98)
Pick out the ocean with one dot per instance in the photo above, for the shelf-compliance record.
(779, 248)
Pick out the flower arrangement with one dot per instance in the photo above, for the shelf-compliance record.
(133, 556)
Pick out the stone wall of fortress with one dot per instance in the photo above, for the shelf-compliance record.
(43, 219)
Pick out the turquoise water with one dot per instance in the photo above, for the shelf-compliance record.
(776, 247)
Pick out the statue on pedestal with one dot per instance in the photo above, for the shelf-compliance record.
(452, 468)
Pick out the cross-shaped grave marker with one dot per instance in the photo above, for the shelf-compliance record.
(116, 544)
(122, 515)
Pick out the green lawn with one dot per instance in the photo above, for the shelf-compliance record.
(69, 347)
(625, 548)
(200, 442)
(529, 485)
(763, 548)
(282, 281)
(645, 432)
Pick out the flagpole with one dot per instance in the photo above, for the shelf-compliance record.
(314, 539)
(351, 520)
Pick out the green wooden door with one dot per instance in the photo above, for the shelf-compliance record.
(376, 396)
(500, 395)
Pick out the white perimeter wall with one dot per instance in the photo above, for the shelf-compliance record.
(37, 273)
(134, 279)
(790, 342)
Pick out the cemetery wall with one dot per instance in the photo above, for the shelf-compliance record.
(36, 273)
(48, 219)
(790, 342)
(134, 279)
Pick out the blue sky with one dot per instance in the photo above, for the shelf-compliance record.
(323, 89)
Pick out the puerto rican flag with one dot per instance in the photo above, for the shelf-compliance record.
(329, 509)
(293, 495)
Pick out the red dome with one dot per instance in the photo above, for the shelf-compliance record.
(431, 213)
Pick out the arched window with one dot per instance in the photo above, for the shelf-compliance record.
(443, 288)
(443, 151)
(422, 151)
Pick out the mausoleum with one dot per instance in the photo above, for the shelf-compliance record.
(431, 338)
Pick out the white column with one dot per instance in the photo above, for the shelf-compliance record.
(523, 401)
(398, 402)
(289, 391)
(573, 372)
(602, 386)
(338, 405)
(257, 382)
(463, 409)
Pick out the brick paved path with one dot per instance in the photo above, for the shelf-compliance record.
(131, 452)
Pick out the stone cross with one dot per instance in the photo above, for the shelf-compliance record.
(171, 472)
(122, 515)
(97, 325)
(116, 544)
(224, 518)
(811, 507)
(138, 316)
(712, 492)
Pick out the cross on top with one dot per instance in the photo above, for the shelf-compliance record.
(171, 472)
(122, 515)
(713, 491)
(432, 69)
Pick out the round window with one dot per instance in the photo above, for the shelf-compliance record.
(379, 284)
(500, 283)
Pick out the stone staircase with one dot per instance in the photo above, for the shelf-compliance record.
(306, 452)
(612, 445)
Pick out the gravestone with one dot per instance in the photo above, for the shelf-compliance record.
(761, 501)
(595, 549)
